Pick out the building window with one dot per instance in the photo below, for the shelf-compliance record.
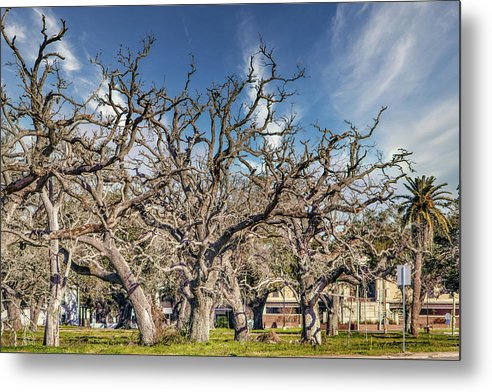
(280, 310)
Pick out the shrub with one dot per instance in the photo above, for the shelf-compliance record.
(170, 335)
(268, 337)
(222, 322)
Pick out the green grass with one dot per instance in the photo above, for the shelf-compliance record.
(90, 341)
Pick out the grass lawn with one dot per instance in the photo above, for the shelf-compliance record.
(101, 341)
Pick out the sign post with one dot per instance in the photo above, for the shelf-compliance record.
(403, 279)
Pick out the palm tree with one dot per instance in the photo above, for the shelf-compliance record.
(421, 212)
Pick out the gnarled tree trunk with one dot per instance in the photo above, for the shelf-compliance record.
(332, 313)
(143, 314)
(13, 305)
(232, 294)
(140, 303)
(240, 320)
(212, 316)
(240, 325)
(51, 326)
(258, 306)
(52, 323)
(184, 315)
(311, 326)
(34, 312)
(201, 305)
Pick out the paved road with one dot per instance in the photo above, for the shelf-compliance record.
(441, 356)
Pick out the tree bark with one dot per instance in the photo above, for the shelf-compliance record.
(258, 306)
(34, 312)
(332, 322)
(201, 306)
(183, 315)
(232, 294)
(13, 305)
(240, 325)
(311, 327)
(212, 316)
(140, 303)
(51, 326)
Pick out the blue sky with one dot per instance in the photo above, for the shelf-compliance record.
(358, 57)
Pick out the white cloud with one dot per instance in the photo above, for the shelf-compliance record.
(433, 138)
(404, 55)
(256, 165)
(28, 33)
(261, 113)
(64, 47)
(52, 24)
(104, 109)
(71, 63)
(248, 37)
(14, 29)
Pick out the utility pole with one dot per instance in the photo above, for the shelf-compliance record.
(357, 303)
(453, 318)
(403, 278)
(78, 306)
(404, 317)
(283, 306)
(385, 315)
(378, 293)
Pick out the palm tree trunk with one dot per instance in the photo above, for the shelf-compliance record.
(417, 288)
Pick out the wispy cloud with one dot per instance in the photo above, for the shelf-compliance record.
(26, 25)
(28, 37)
(396, 48)
(14, 29)
(432, 137)
(404, 55)
(64, 47)
(262, 112)
(102, 93)
(248, 34)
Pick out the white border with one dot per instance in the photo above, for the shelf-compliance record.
(98, 373)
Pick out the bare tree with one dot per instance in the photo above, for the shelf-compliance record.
(210, 161)
(344, 176)
(23, 283)
(47, 134)
(24, 269)
(249, 272)
(201, 197)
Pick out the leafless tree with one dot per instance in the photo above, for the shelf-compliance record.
(49, 137)
(209, 143)
(249, 272)
(23, 282)
(344, 176)
(202, 197)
